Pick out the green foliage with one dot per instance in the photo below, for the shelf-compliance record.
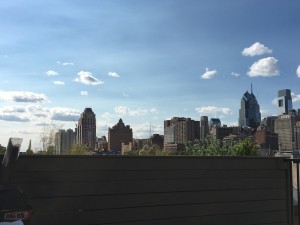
(2, 150)
(153, 150)
(244, 148)
(78, 149)
(215, 147)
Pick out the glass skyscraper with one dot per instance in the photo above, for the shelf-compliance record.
(249, 114)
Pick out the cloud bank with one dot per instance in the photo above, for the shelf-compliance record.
(213, 109)
(23, 96)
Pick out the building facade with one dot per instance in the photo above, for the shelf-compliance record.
(180, 130)
(64, 141)
(284, 101)
(249, 113)
(119, 134)
(285, 128)
(204, 127)
(86, 129)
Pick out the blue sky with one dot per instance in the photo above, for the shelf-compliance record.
(142, 61)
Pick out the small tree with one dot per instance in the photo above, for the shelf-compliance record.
(48, 137)
(78, 149)
(2, 150)
(244, 148)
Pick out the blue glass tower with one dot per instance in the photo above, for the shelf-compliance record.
(249, 114)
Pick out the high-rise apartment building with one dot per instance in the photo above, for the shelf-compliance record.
(285, 128)
(119, 134)
(249, 113)
(284, 101)
(204, 127)
(86, 129)
(64, 141)
(180, 130)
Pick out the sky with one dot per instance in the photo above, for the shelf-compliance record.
(142, 61)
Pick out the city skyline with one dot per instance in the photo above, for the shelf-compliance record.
(142, 61)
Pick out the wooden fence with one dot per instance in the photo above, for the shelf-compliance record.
(93, 190)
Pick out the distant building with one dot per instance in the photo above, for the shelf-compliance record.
(284, 101)
(214, 122)
(86, 129)
(266, 139)
(102, 144)
(157, 139)
(119, 134)
(285, 128)
(249, 113)
(222, 132)
(180, 130)
(204, 127)
(297, 135)
(269, 123)
(64, 141)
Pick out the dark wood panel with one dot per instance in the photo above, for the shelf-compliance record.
(168, 198)
(155, 190)
(147, 186)
(128, 175)
(217, 214)
(61, 163)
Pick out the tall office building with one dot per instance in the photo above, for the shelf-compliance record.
(204, 128)
(64, 141)
(119, 134)
(86, 129)
(284, 101)
(249, 114)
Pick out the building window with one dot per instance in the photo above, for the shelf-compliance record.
(280, 102)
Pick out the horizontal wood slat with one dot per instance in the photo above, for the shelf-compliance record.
(80, 190)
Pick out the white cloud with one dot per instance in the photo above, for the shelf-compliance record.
(298, 71)
(123, 110)
(113, 74)
(213, 109)
(84, 93)
(235, 74)
(143, 130)
(256, 49)
(64, 114)
(295, 98)
(87, 78)
(52, 73)
(13, 118)
(208, 74)
(65, 63)
(22, 96)
(266, 67)
(57, 82)
(125, 95)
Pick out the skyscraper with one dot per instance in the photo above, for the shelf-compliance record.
(204, 128)
(86, 129)
(284, 101)
(64, 141)
(249, 114)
